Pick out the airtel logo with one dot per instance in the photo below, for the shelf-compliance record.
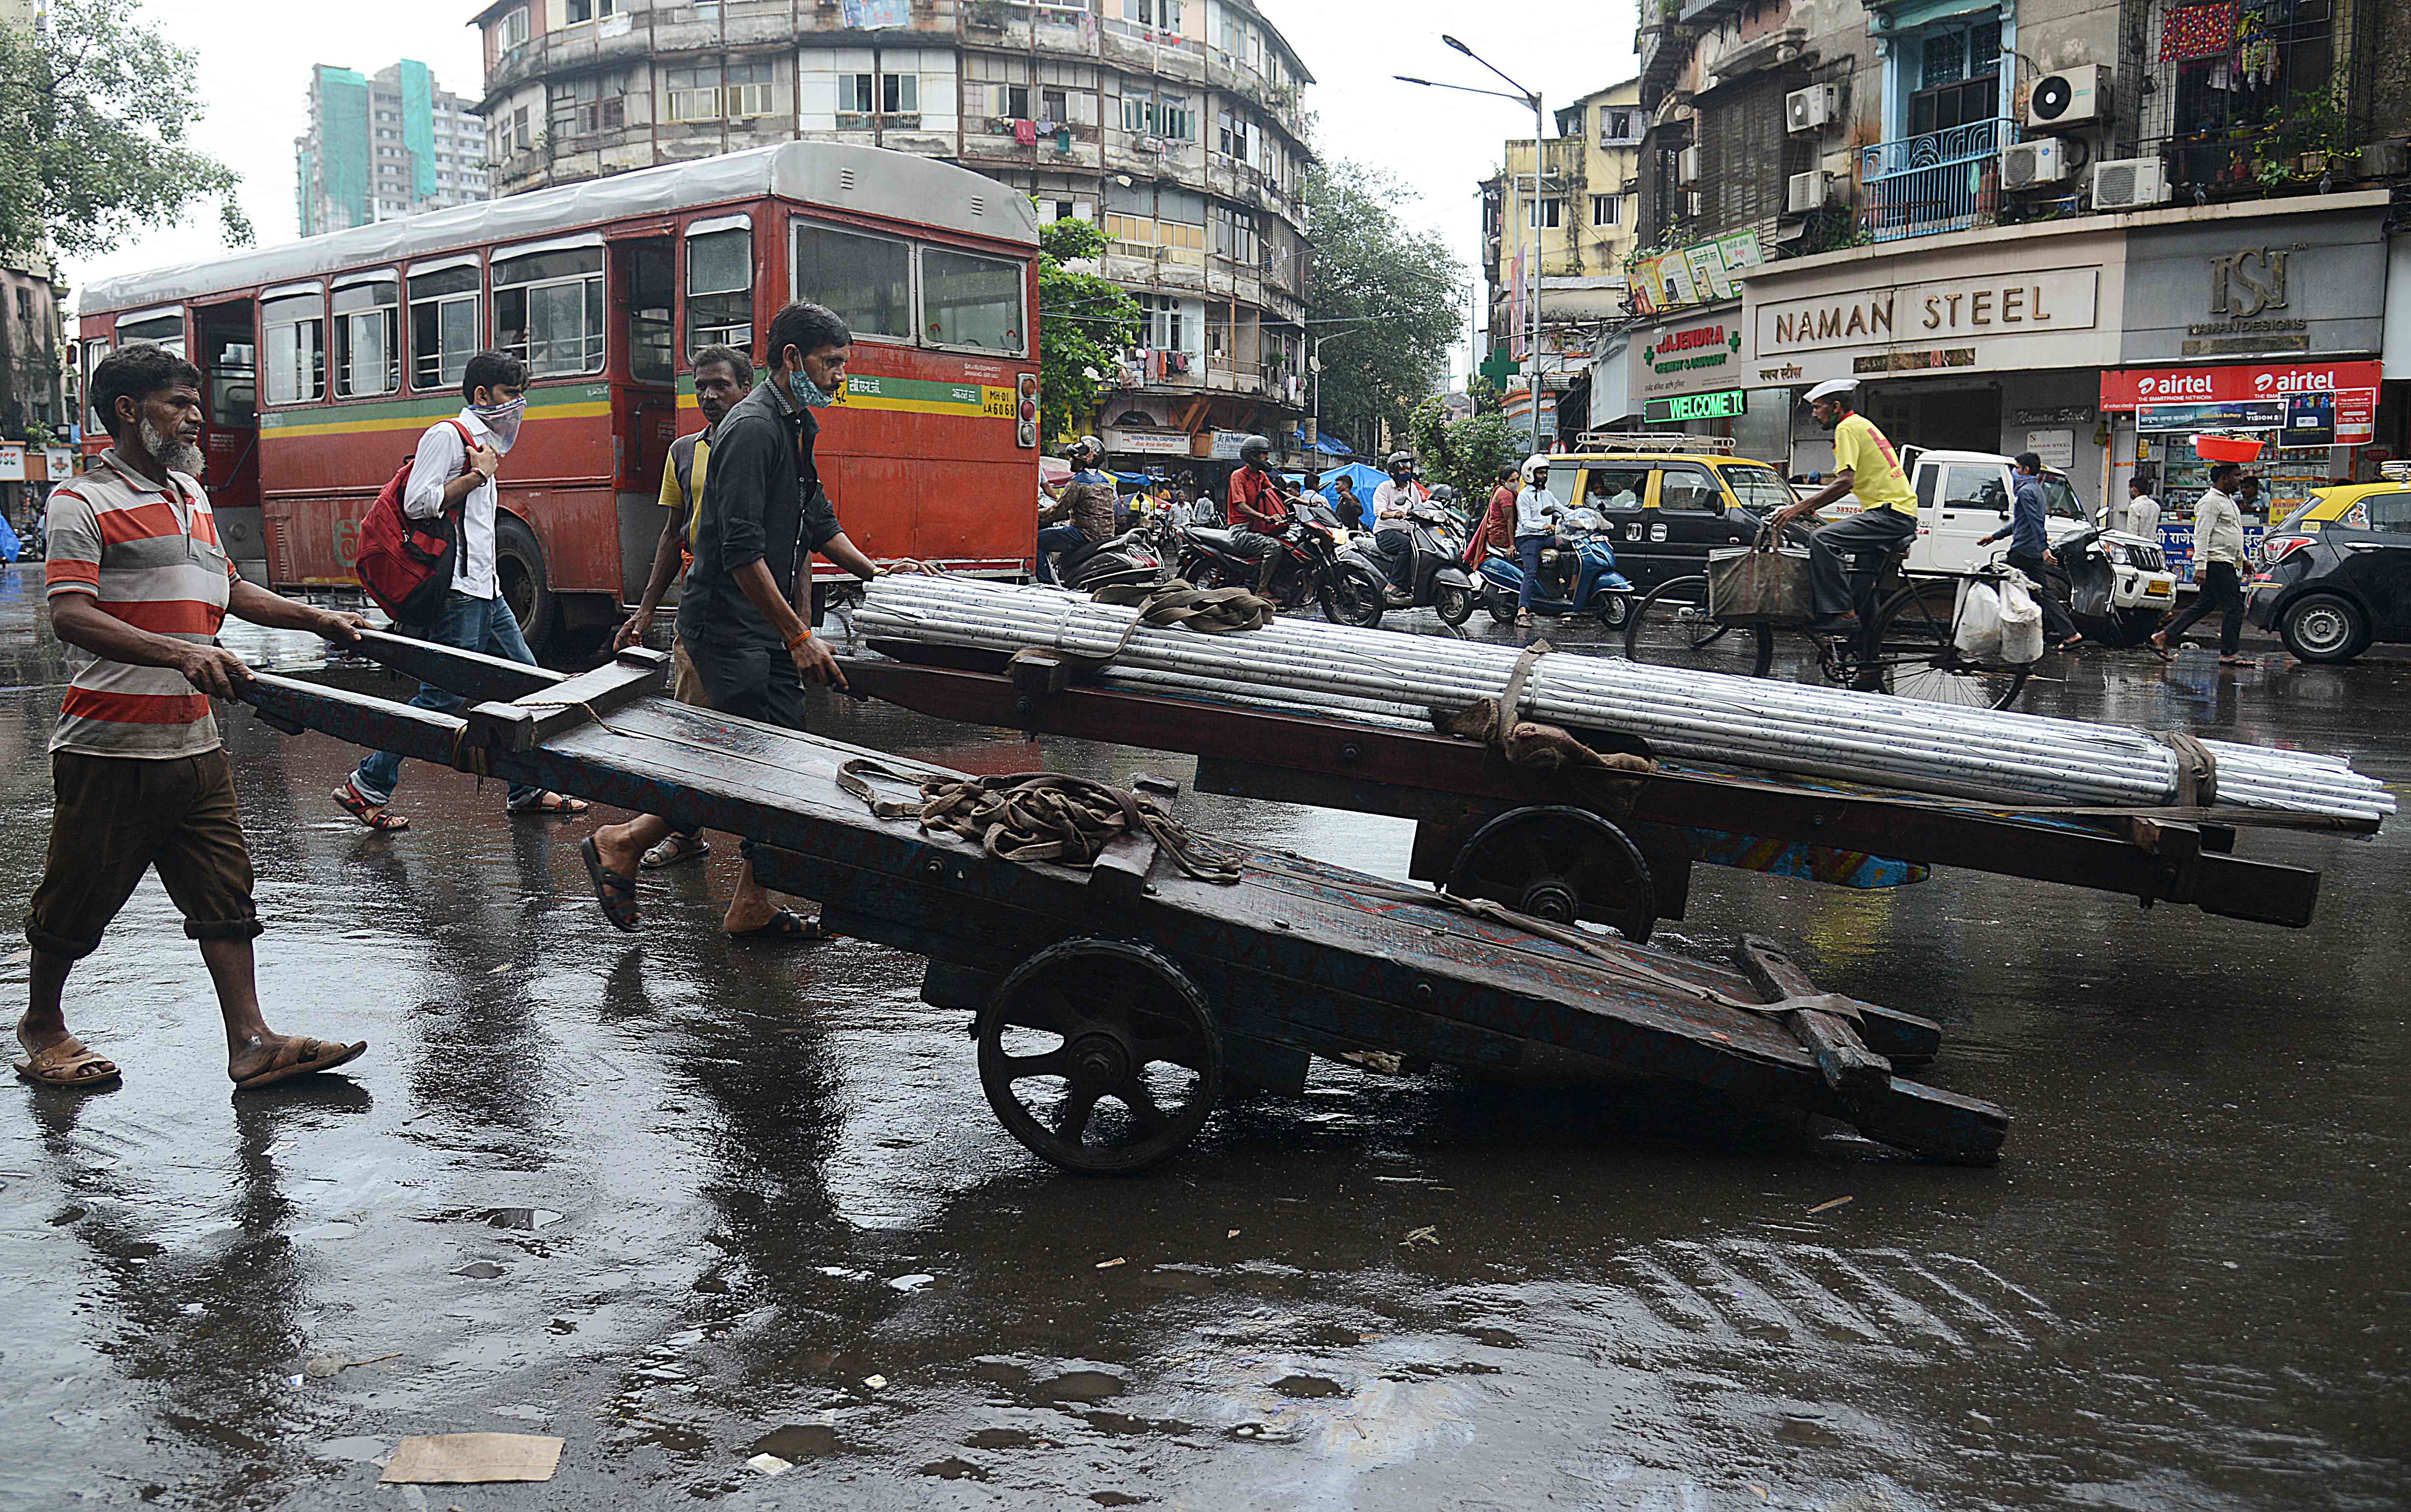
(2176, 386)
(2294, 383)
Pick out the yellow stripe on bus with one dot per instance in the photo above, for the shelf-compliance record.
(421, 422)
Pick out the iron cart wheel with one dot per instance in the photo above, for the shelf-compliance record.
(1560, 863)
(1099, 1020)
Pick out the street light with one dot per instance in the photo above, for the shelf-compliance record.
(1539, 131)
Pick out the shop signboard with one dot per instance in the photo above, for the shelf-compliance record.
(1147, 442)
(2258, 285)
(2266, 385)
(62, 462)
(12, 462)
(2225, 415)
(2310, 421)
(1679, 409)
(2056, 447)
(1688, 356)
(1227, 444)
(1704, 272)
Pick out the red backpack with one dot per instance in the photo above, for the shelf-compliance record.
(407, 564)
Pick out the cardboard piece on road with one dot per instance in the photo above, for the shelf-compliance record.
(470, 1458)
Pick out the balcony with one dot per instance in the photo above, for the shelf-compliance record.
(1944, 180)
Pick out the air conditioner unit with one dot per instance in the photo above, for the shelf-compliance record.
(1810, 109)
(1807, 192)
(1687, 168)
(2129, 183)
(2027, 165)
(2068, 99)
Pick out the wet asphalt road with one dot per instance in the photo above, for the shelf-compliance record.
(679, 1201)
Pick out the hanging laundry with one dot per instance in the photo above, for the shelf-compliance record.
(2197, 32)
(2256, 49)
(1026, 133)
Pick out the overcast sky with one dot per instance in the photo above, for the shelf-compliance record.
(256, 58)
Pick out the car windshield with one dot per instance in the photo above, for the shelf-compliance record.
(2294, 520)
(1759, 489)
(2061, 500)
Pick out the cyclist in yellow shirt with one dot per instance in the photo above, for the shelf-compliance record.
(1864, 465)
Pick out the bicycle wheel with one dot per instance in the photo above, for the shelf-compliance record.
(1670, 628)
(1914, 653)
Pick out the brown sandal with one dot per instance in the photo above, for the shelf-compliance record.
(300, 1056)
(375, 816)
(70, 1063)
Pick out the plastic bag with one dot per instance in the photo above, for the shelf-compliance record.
(1977, 635)
(2021, 622)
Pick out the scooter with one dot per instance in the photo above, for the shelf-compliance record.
(1126, 559)
(1576, 578)
(2092, 582)
(1435, 567)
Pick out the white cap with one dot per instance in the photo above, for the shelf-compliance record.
(1831, 388)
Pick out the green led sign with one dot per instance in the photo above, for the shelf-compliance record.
(1716, 404)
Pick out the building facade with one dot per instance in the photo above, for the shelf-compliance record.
(384, 147)
(1174, 125)
(2083, 227)
(1571, 228)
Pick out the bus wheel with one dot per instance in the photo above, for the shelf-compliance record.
(519, 568)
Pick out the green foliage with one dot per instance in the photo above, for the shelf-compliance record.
(1387, 301)
(92, 122)
(1466, 454)
(1084, 323)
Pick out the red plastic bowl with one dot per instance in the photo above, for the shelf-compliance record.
(2225, 448)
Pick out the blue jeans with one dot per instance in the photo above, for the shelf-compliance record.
(465, 624)
(1530, 547)
(1054, 539)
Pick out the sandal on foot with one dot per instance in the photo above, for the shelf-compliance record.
(70, 1063)
(617, 894)
(784, 925)
(374, 814)
(300, 1056)
(557, 804)
(676, 851)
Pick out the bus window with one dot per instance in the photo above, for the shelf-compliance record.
(720, 289)
(368, 358)
(647, 282)
(94, 353)
(161, 330)
(548, 310)
(867, 280)
(296, 328)
(970, 301)
(443, 325)
(233, 386)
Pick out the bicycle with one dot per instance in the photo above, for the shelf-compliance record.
(1906, 648)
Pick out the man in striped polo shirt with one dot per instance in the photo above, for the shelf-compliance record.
(138, 586)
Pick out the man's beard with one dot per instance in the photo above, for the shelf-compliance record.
(176, 455)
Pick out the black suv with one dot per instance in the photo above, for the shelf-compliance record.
(2333, 591)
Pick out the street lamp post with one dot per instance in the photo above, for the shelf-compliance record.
(1540, 132)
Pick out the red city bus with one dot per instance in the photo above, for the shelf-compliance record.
(323, 360)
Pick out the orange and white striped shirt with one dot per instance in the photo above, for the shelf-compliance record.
(150, 555)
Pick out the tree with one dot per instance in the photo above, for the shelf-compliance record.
(1386, 302)
(1466, 454)
(1084, 323)
(93, 112)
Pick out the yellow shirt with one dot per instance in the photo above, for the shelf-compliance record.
(679, 499)
(1875, 477)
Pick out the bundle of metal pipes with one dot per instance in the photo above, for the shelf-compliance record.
(1386, 678)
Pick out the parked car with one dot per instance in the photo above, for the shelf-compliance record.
(2334, 590)
(2338, 504)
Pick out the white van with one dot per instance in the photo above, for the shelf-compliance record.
(1963, 497)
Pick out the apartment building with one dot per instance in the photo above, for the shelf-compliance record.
(1177, 124)
(383, 146)
(2079, 227)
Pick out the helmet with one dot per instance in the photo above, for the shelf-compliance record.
(1084, 446)
(1255, 449)
(1400, 459)
(1534, 465)
(1443, 494)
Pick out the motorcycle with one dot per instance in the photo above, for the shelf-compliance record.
(1434, 568)
(1129, 557)
(1313, 563)
(2092, 584)
(1578, 576)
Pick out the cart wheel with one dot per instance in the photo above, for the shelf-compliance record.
(1559, 865)
(1092, 1020)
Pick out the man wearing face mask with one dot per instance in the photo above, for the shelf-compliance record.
(743, 617)
(454, 473)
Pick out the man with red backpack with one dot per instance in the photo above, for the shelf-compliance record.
(453, 476)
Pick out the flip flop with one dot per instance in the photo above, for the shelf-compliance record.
(617, 894)
(676, 851)
(784, 925)
(375, 816)
(63, 1065)
(300, 1056)
(560, 805)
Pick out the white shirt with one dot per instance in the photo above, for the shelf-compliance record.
(2217, 530)
(441, 459)
(1534, 510)
(1390, 501)
(2143, 516)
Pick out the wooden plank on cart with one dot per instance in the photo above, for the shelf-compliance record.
(536, 718)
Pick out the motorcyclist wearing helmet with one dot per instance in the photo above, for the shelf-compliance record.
(1537, 511)
(1393, 542)
(1258, 513)
(1083, 512)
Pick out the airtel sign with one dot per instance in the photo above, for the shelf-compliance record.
(2128, 388)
